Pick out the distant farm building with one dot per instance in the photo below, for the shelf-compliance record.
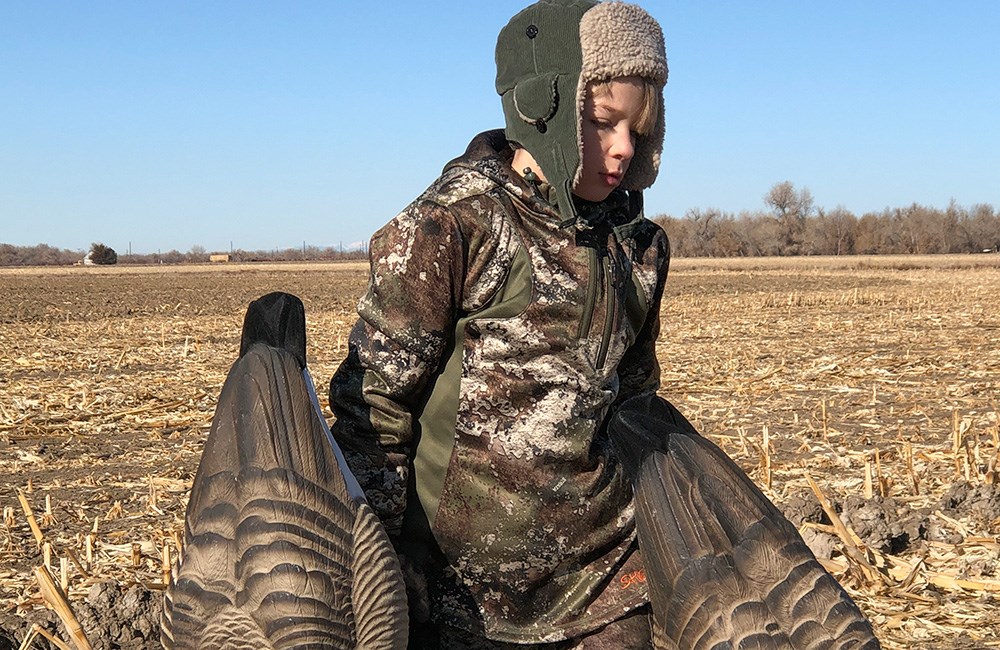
(218, 257)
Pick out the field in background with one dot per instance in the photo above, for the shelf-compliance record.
(876, 377)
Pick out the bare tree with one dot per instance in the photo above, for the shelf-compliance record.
(831, 233)
(39, 255)
(791, 208)
(983, 228)
(677, 233)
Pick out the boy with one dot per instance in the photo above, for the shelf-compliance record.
(510, 308)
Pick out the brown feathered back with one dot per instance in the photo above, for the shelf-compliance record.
(281, 549)
(725, 568)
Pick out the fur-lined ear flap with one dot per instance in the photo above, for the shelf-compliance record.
(537, 99)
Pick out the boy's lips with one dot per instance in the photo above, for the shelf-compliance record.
(611, 178)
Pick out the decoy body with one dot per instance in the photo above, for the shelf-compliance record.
(725, 569)
(281, 548)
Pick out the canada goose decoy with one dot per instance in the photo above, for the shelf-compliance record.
(281, 549)
(725, 569)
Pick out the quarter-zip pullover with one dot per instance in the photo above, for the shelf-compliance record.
(492, 343)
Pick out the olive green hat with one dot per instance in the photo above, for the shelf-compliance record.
(547, 54)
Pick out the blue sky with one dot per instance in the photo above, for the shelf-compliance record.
(167, 125)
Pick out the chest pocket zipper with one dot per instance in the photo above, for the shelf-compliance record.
(611, 311)
(593, 284)
(602, 276)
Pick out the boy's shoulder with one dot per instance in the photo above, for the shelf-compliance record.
(459, 183)
(480, 171)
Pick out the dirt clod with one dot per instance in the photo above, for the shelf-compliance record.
(979, 502)
(116, 617)
(113, 617)
(877, 522)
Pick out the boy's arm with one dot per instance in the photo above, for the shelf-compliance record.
(407, 314)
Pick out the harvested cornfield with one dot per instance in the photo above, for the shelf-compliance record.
(861, 393)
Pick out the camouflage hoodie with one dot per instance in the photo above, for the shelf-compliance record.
(494, 339)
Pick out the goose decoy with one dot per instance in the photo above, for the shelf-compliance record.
(281, 550)
(724, 568)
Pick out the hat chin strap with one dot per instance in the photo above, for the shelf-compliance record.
(564, 187)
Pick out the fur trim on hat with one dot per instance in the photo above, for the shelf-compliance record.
(622, 40)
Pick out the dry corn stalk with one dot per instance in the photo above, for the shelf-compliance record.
(48, 519)
(56, 600)
(38, 630)
(870, 573)
(165, 566)
(765, 459)
(35, 530)
(883, 482)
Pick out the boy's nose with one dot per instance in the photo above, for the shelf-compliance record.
(623, 146)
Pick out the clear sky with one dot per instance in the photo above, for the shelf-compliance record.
(166, 125)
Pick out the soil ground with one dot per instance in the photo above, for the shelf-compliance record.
(877, 378)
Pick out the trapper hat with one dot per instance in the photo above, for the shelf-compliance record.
(547, 54)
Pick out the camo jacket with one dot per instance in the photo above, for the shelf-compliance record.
(492, 342)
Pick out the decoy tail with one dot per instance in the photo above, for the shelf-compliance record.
(281, 549)
(724, 567)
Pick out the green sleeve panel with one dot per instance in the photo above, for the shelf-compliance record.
(437, 421)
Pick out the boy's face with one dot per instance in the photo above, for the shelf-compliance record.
(609, 122)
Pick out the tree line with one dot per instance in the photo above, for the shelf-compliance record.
(792, 225)
(100, 254)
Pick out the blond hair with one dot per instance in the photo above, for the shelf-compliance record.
(650, 112)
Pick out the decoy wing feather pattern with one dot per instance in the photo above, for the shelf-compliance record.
(279, 551)
(725, 569)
